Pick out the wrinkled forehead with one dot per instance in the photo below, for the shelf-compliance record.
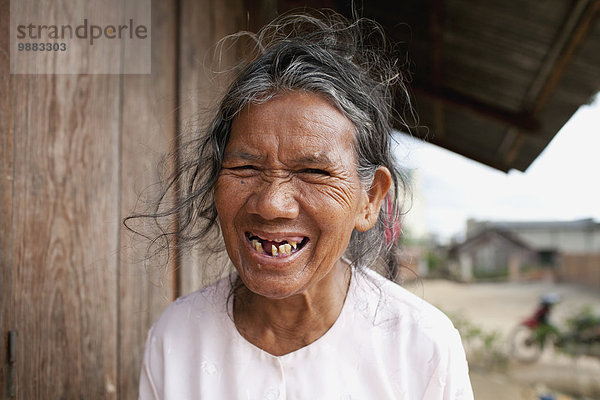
(302, 123)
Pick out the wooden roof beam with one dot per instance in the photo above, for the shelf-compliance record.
(452, 98)
(452, 146)
(573, 32)
(436, 30)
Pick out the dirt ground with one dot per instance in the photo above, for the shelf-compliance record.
(500, 307)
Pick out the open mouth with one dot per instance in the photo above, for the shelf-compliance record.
(279, 247)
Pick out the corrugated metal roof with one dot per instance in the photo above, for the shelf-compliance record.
(496, 80)
(493, 80)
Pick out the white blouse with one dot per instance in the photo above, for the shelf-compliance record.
(386, 344)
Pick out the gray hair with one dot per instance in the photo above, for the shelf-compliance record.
(323, 54)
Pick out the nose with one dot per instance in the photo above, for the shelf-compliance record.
(274, 199)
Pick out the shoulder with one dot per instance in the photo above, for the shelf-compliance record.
(190, 310)
(404, 320)
(192, 330)
(415, 335)
(396, 302)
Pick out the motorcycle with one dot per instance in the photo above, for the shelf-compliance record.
(529, 339)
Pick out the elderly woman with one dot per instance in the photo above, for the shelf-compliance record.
(294, 169)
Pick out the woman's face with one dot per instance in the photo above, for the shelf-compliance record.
(288, 195)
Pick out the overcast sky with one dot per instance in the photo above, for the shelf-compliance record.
(563, 183)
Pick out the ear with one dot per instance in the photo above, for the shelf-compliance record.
(369, 212)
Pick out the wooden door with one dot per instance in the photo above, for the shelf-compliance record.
(77, 152)
(75, 149)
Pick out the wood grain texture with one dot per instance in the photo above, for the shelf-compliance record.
(6, 176)
(64, 230)
(203, 24)
(76, 152)
(148, 132)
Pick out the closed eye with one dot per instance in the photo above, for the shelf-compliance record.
(315, 171)
(243, 167)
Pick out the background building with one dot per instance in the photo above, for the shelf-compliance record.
(569, 249)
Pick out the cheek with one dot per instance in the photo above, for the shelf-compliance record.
(333, 202)
(333, 213)
(226, 198)
(341, 197)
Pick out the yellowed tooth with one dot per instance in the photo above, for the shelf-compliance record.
(293, 244)
(282, 249)
(273, 250)
(288, 248)
(257, 246)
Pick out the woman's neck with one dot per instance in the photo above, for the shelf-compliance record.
(281, 326)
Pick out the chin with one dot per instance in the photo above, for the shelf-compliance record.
(271, 285)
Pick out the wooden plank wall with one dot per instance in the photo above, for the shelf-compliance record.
(148, 126)
(64, 227)
(76, 152)
(5, 195)
(203, 23)
(65, 231)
